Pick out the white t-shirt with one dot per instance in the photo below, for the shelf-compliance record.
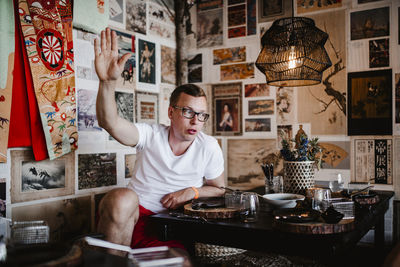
(158, 171)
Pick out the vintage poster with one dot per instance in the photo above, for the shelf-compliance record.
(379, 53)
(125, 106)
(285, 105)
(229, 55)
(147, 107)
(130, 160)
(272, 10)
(84, 57)
(251, 17)
(136, 16)
(236, 15)
(325, 103)
(256, 90)
(373, 160)
(257, 125)
(227, 109)
(97, 170)
(147, 62)
(245, 157)
(165, 93)
(209, 28)
(40, 179)
(126, 44)
(237, 32)
(335, 155)
(311, 6)
(370, 23)
(117, 13)
(87, 119)
(66, 218)
(261, 107)
(237, 71)
(195, 68)
(168, 59)
(370, 103)
(162, 30)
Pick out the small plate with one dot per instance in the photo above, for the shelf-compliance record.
(296, 215)
(208, 203)
(283, 200)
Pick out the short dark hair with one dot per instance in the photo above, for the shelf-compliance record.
(190, 89)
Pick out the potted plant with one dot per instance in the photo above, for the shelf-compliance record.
(301, 156)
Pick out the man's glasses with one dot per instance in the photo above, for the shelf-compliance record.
(190, 113)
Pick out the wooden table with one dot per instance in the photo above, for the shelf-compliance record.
(261, 236)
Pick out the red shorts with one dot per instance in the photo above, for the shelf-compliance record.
(143, 237)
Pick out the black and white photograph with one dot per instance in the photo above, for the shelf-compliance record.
(136, 16)
(125, 106)
(87, 119)
(40, 179)
(97, 170)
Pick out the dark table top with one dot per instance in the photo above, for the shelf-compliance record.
(261, 236)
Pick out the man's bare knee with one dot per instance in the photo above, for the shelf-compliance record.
(119, 205)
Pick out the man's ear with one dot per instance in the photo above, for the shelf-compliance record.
(170, 110)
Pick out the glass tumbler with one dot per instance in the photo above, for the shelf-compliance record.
(249, 206)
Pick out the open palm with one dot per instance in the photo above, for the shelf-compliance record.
(108, 65)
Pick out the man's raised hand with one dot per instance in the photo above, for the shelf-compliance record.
(108, 65)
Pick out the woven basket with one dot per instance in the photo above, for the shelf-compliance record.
(298, 176)
(213, 251)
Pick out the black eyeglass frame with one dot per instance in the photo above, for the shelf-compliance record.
(199, 114)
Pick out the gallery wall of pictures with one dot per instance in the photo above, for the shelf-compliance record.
(248, 117)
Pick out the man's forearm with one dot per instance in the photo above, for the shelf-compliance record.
(106, 107)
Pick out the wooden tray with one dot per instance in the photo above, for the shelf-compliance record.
(211, 213)
(316, 228)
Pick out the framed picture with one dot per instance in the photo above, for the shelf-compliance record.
(32, 180)
(147, 107)
(97, 170)
(227, 109)
(369, 23)
(369, 103)
(271, 10)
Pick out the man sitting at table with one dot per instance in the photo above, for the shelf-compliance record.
(171, 161)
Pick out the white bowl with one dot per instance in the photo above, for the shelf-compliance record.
(283, 200)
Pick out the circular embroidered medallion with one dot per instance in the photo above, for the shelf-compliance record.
(50, 48)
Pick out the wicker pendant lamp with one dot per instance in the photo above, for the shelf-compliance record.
(293, 53)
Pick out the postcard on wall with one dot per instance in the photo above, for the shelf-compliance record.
(126, 44)
(146, 107)
(209, 28)
(261, 107)
(284, 132)
(372, 160)
(285, 105)
(370, 103)
(130, 160)
(125, 107)
(195, 68)
(117, 13)
(379, 53)
(136, 16)
(97, 170)
(251, 17)
(257, 125)
(33, 180)
(227, 109)
(236, 15)
(165, 93)
(237, 32)
(87, 119)
(370, 23)
(163, 12)
(65, 218)
(229, 55)
(271, 10)
(335, 154)
(3, 200)
(245, 157)
(161, 30)
(256, 90)
(311, 6)
(237, 71)
(147, 62)
(168, 59)
(397, 98)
